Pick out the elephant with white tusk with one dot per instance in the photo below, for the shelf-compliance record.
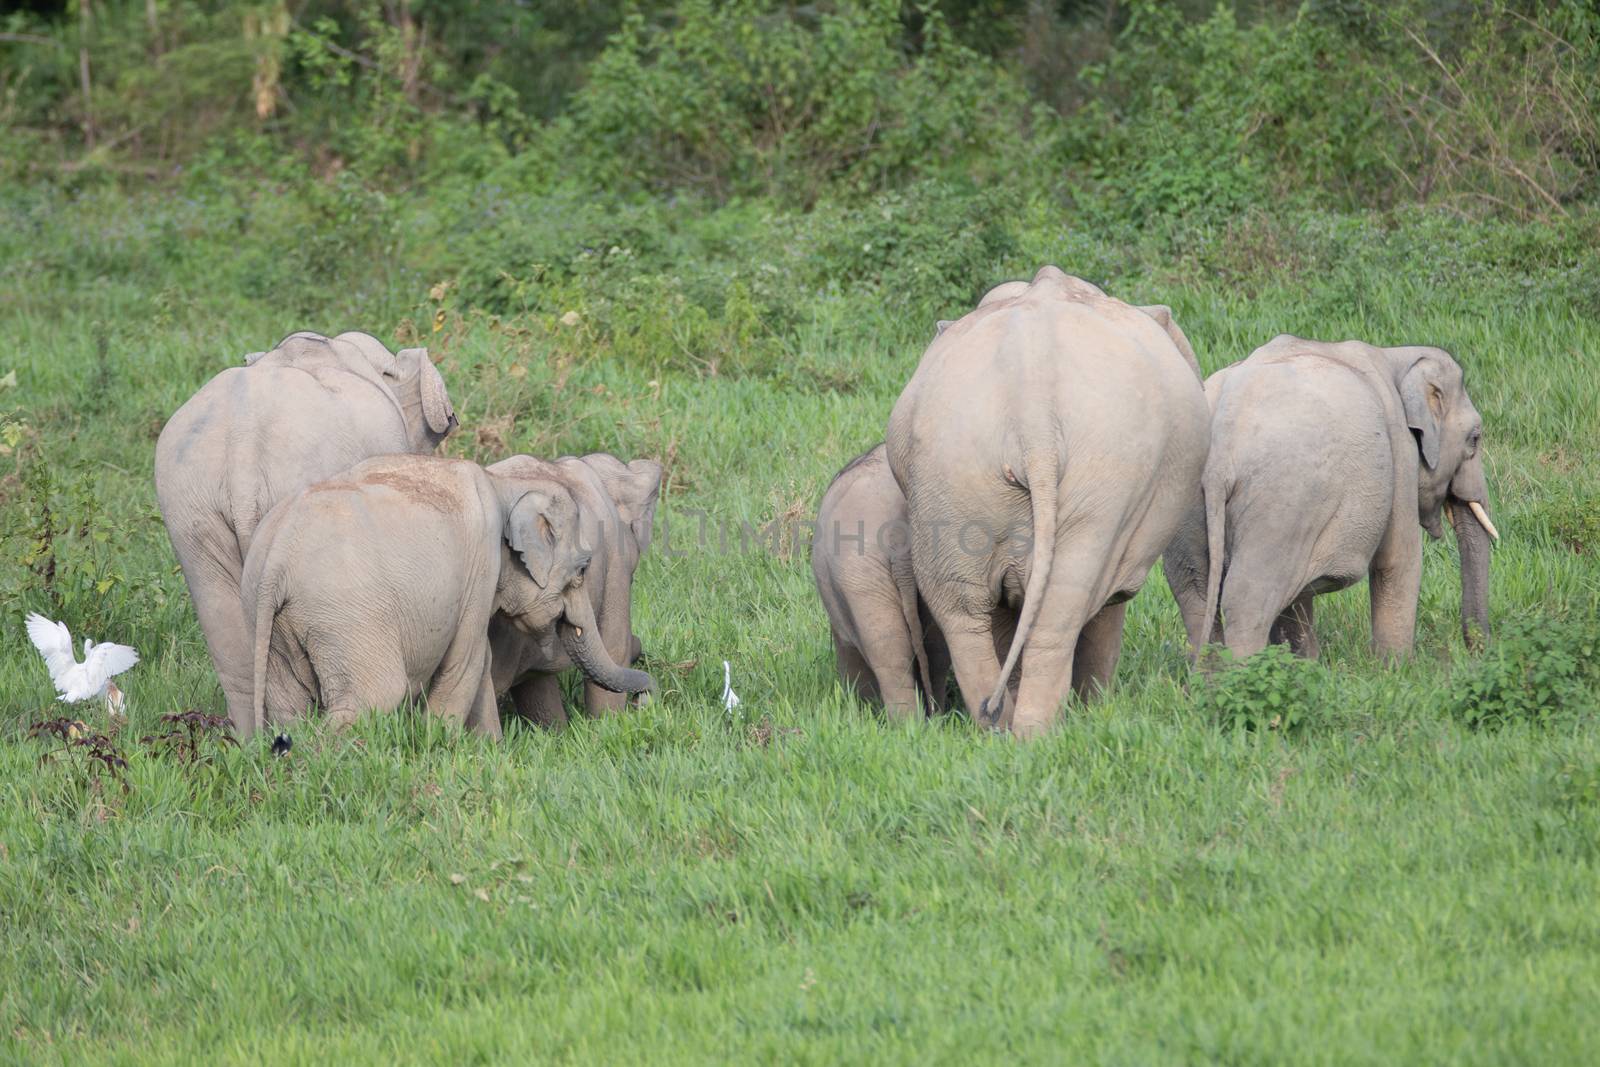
(380, 584)
(253, 435)
(1324, 458)
(885, 643)
(1048, 445)
(616, 505)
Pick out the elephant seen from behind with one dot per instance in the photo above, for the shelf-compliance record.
(1048, 444)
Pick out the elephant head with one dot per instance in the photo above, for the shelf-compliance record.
(1448, 431)
(542, 576)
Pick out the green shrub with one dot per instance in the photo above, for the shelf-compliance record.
(737, 98)
(1272, 691)
(1536, 671)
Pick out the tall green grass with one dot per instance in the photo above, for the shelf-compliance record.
(798, 881)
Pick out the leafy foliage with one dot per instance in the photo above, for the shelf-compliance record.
(1536, 671)
(1272, 691)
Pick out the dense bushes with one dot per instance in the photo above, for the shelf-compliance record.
(1139, 112)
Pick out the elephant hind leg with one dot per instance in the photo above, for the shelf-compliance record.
(1295, 627)
(378, 684)
(1250, 605)
(854, 671)
(1094, 662)
(889, 658)
(212, 568)
(972, 654)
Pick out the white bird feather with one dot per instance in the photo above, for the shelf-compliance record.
(730, 699)
(74, 681)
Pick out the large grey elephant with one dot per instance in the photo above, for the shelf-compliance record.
(885, 643)
(616, 505)
(253, 435)
(1048, 444)
(380, 584)
(1324, 458)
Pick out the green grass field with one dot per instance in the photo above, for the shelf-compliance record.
(799, 882)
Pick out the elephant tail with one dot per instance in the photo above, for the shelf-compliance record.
(1043, 470)
(1214, 488)
(906, 584)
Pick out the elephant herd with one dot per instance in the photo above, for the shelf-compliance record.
(1055, 442)
(1050, 446)
(334, 561)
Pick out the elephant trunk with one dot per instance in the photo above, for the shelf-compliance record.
(1472, 541)
(581, 638)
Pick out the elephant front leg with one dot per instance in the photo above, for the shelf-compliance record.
(484, 715)
(538, 699)
(1394, 592)
(1296, 628)
(1099, 647)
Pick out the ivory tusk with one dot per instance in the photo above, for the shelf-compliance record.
(579, 629)
(1483, 519)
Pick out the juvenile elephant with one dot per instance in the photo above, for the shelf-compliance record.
(253, 435)
(885, 643)
(380, 584)
(616, 505)
(1048, 444)
(1324, 457)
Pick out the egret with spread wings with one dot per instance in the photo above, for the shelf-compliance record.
(76, 682)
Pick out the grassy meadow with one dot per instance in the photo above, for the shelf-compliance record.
(797, 881)
(719, 233)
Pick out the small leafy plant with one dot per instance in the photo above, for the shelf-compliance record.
(92, 759)
(1539, 669)
(1269, 692)
(192, 738)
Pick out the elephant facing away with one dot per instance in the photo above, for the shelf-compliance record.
(1324, 458)
(1048, 445)
(253, 435)
(616, 505)
(885, 642)
(380, 584)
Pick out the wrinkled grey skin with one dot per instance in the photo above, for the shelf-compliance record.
(253, 435)
(1048, 444)
(885, 643)
(1324, 459)
(380, 584)
(616, 506)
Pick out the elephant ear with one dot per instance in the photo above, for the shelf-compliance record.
(436, 406)
(1416, 392)
(532, 535)
(634, 488)
(1163, 316)
(942, 325)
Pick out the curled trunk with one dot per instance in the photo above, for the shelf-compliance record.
(581, 638)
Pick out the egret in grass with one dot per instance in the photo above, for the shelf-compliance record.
(77, 681)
